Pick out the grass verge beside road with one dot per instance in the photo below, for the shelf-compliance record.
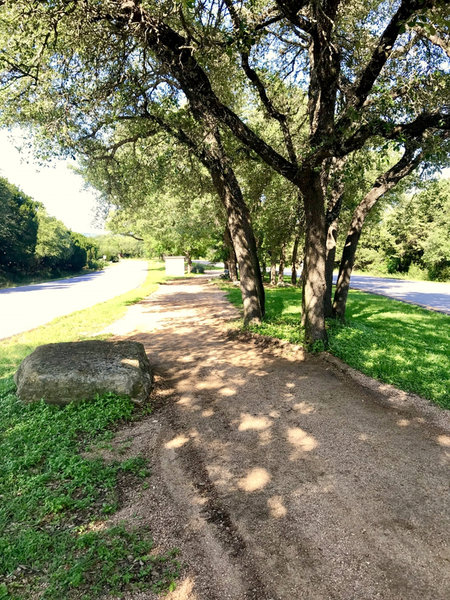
(55, 541)
(392, 341)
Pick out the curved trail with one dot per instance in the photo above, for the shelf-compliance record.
(278, 477)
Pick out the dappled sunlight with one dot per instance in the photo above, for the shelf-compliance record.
(304, 408)
(227, 391)
(301, 440)
(93, 527)
(444, 440)
(277, 509)
(177, 442)
(256, 479)
(363, 437)
(183, 591)
(131, 362)
(208, 412)
(403, 422)
(265, 437)
(252, 422)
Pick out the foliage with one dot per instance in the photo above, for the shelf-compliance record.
(54, 535)
(330, 78)
(112, 246)
(392, 341)
(32, 241)
(18, 228)
(412, 236)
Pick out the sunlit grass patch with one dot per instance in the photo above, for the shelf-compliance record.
(392, 341)
(55, 541)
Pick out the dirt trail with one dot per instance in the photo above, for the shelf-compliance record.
(281, 478)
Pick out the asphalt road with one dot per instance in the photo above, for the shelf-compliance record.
(29, 306)
(429, 294)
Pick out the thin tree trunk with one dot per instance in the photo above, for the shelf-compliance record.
(383, 183)
(330, 257)
(232, 261)
(238, 222)
(294, 258)
(189, 262)
(273, 271)
(263, 269)
(282, 263)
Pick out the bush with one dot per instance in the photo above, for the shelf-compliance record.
(197, 268)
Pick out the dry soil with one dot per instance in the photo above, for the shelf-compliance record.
(277, 475)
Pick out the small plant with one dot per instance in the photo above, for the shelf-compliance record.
(197, 268)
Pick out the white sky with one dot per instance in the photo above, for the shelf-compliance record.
(58, 188)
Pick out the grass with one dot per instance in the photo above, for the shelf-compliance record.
(392, 341)
(55, 541)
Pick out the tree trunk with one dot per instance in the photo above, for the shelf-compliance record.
(294, 258)
(330, 257)
(189, 262)
(314, 285)
(282, 263)
(383, 183)
(231, 261)
(238, 222)
(244, 243)
(273, 271)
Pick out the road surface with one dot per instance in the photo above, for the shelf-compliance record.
(29, 306)
(429, 294)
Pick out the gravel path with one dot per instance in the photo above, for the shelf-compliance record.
(278, 476)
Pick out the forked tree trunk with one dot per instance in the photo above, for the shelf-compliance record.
(282, 263)
(314, 285)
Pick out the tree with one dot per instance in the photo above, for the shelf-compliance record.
(353, 63)
(18, 228)
(417, 231)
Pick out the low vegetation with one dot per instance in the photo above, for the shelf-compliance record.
(55, 541)
(392, 341)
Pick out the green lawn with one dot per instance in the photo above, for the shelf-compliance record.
(392, 341)
(54, 502)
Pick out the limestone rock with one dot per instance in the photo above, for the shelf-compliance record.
(62, 373)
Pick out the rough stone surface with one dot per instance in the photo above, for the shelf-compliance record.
(62, 373)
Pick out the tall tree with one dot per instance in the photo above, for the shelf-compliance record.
(18, 228)
(351, 61)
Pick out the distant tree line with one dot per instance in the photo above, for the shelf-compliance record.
(33, 242)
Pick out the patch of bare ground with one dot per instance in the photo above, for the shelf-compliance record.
(278, 475)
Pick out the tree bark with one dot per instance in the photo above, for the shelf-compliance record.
(273, 270)
(282, 263)
(231, 260)
(244, 243)
(189, 262)
(409, 161)
(314, 285)
(295, 258)
(330, 257)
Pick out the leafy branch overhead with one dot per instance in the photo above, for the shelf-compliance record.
(325, 79)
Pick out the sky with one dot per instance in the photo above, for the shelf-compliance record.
(58, 188)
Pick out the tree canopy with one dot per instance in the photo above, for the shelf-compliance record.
(331, 77)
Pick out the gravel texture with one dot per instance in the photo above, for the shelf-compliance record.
(278, 475)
